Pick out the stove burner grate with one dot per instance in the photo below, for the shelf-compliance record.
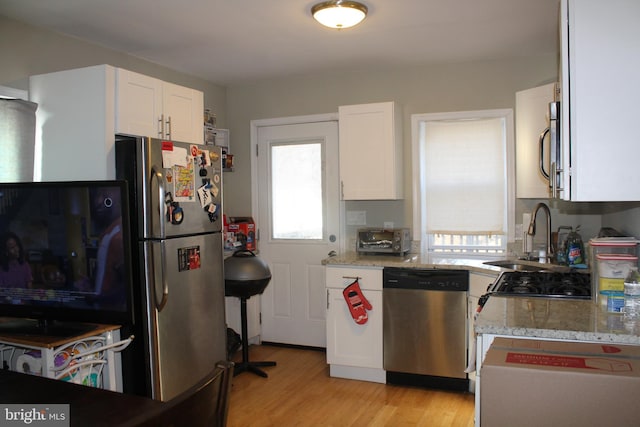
(544, 284)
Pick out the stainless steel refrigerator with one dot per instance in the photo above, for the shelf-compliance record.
(175, 192)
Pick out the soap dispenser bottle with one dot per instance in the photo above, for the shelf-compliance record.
(561, 248)
(575, 249)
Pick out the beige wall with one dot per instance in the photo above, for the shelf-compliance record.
(26, 50)
(455, 87)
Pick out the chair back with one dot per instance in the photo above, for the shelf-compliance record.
(206, 404)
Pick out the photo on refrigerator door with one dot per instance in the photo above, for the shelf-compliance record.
(189, 258)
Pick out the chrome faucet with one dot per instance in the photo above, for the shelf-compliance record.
(532, 227)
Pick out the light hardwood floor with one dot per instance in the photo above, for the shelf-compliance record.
(299, 392)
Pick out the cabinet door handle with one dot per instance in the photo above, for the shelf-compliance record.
(168, 127)
(556, 175)
(161, 126)
(327, 299)
(541, 146)
(554, 178)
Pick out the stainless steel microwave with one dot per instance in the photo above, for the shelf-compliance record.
(383, 241)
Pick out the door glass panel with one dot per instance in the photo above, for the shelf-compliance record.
(296, 191)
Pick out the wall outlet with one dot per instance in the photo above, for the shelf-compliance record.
(356, 217)
(519, 232)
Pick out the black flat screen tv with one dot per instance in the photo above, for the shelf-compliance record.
(65, 256)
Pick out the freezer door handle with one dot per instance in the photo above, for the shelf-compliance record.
(165, 284)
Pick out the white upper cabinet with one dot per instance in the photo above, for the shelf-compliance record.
(532, 119)
(80, 111)
(371, 151)
(75, 138)
(138, 104)
(150, 107)
(600, 65)
(183, 110)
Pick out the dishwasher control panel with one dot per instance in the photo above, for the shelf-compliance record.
(426, 279)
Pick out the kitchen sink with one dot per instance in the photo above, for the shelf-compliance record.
(516, 265)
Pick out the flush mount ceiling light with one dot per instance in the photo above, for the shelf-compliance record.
(339, 13)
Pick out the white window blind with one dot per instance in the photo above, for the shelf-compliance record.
(465, 176)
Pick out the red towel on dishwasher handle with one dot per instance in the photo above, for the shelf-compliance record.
(357, 302)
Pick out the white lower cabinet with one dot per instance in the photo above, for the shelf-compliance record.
(478, 284)
(354, 351)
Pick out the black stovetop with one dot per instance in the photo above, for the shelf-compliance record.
(543, 284)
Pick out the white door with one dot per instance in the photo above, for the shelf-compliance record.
(298, 220)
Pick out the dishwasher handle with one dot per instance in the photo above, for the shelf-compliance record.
(430, 280)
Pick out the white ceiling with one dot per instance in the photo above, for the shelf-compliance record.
(239, 41)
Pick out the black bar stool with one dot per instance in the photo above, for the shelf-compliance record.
(245, 276)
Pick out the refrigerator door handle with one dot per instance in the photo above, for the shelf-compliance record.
(155, 174)
(165, 284)
(163, 278)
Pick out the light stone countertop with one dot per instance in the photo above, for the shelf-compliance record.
(551, 318)
(555, 318)
(353, 259)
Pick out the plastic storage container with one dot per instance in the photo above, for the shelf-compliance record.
(612, 270)
(613, 245)
(609, 246)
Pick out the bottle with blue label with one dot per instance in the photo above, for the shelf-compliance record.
(575, 249)
(632, 294)
(561, 253)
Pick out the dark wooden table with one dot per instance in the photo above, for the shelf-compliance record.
(88, 406)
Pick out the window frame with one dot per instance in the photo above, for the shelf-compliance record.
(418, 156)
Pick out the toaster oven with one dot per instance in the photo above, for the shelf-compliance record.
(383, 241)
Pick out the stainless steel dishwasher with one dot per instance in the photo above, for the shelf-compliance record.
(425, 327)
